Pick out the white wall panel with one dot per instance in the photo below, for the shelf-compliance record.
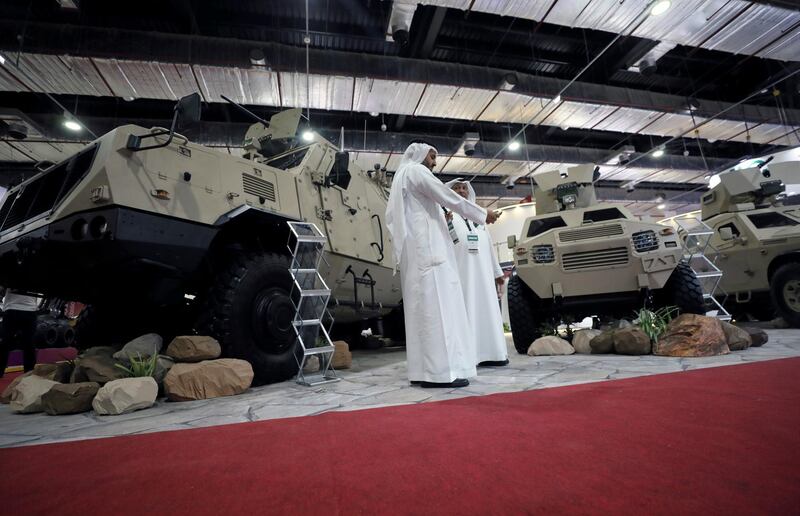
(329, 92)
(244, 86)
(453, 102)
(381, 96)
(149, 80)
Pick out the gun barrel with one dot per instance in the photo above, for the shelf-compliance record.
(246, 111)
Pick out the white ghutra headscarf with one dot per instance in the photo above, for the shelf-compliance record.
(396, 221)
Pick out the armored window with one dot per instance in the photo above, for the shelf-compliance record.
(771, 220)
(732, 226)
(602, 215)
(539, 226)
(290, 160)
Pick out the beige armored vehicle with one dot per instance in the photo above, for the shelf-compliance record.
(757, 236)
(578, 258)
(160, 234)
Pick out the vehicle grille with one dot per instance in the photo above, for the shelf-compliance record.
(573, 235)
(594, 259)
(645, 241)
(46, 191)
(259, 187)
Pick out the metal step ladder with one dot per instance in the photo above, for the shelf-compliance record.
(702, 257)
(310, 295)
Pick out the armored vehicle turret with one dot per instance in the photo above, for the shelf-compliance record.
(579, 258)
(158, 233)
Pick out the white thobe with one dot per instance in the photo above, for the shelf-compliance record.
(439, 345)
(478, 271)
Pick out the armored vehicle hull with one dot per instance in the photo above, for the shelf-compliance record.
(591, 259)
(181, 237)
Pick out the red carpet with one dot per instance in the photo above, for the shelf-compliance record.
(715, 441)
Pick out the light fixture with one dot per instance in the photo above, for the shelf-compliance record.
(660, 7)
(72, 125)
(661, 206)
(308, 135)
(373, 113)
(713, 181)
(513, 146)
(128, 99)
(658, 152)
(557, 99)
(2, 60)
(508, 82)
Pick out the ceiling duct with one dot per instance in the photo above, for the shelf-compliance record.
(400, 23)
(647, 65)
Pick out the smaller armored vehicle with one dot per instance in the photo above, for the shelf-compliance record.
(577, 258)
(757, 237)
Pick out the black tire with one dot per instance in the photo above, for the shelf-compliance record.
(684, 291)
(525, 314)
(785, 289)
(249, 311)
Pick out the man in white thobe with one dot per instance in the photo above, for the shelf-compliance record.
(439, 346)
(481, 275)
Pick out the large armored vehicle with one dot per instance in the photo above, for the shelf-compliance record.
(160, 234)
(578, 258)
(757, 236)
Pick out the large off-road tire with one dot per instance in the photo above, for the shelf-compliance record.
(785, 290)
(683, 290)
(249, 311)
(525, 314)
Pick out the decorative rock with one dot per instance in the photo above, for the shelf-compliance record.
(26, 397)
(603, 343)
(581, 340)
(78, 375)
(691, 335)
(208, 379)
(631, 341)
(758, 336)
(147, 345)
(311, 365)
(737, 338)
(71, 398)
(98, 350)
(194, 348)
(125, 395)
(5, 397)
(550, 345)
(624, 323)
(163, 365)
(59, 372)
(99, 368)
(342, 358)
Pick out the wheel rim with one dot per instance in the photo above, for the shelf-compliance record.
(271, 318)
(791, 295)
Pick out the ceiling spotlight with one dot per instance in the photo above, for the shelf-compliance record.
(373, 113)
(257, 57)
(660, 7)
(513, 146)
(686, 152)
(2, 60)
(658, 152)
(72, 125)
(127, 99)
(662, 205)
(660, 197)
(308, 135)
(557, 99)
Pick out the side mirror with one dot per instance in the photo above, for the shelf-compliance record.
(726, 234)
(512, 241)
(188, 109)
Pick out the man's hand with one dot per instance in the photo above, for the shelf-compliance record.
(448, 216)
(492, 216)
(500, 283)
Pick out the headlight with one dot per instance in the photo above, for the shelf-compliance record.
(644, 241)
(543, 254)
